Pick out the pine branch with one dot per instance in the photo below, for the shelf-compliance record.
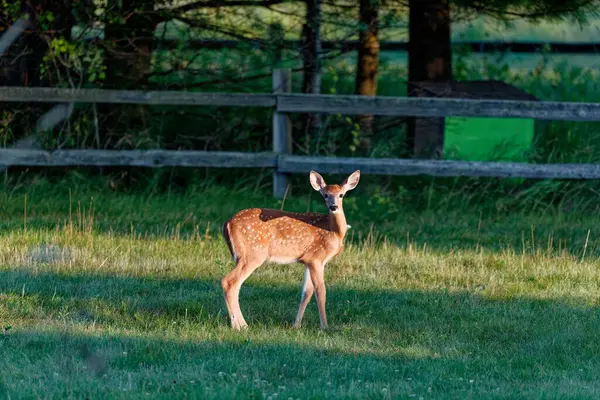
(222, 3)
(534, 10)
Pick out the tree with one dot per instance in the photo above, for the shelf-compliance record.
(129, 27)
(429, 60)
(128, 34)
(430, 56)
(368, 57)
(311, 60)
(311, 48)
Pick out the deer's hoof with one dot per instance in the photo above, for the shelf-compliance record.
(238, 327)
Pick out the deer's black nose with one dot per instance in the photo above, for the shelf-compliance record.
(333, 208)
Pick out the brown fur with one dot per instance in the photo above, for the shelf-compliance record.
(257, 235)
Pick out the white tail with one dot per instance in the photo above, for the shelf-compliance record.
(256, 235)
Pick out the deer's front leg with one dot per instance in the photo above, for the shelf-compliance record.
(317, 276)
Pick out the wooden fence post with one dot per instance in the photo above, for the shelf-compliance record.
(282, 130)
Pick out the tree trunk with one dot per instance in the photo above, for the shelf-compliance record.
(429, 60)
(311, 55)
(128, 34)
(276, 35)
(368, 60)
(129, 44)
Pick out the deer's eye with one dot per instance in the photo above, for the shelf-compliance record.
(341, 195)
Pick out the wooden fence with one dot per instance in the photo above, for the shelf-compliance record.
(280, 159)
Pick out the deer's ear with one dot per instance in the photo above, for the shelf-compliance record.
(317, 181)
(351, 181)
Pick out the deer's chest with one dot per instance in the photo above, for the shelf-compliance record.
(324, 248)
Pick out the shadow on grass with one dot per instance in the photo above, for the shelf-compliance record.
(68, 364)
(174, 339)
(465, 325)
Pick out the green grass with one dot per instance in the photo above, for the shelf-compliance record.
(118, 297)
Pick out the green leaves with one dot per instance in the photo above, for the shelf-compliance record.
(82, 59)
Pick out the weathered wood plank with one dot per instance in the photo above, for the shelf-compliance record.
(328, 104)
(62, 95)
(389, 166)
(294, 164)
(437, 107)
(136, 158)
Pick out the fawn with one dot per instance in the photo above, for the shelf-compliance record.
(256, 235)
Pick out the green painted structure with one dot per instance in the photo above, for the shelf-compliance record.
(473, 139)
(488, 139)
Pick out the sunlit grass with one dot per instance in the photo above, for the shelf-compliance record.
(117, 296)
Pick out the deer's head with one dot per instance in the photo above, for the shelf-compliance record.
(334, 194)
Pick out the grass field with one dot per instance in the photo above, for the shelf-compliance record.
(116, 295)
(443, 291)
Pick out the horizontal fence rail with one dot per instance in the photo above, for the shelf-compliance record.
(402, 167)
(158, 97)
(136, 158)
(325, 104)
(283, 163)
(294, 164)
(438, 107)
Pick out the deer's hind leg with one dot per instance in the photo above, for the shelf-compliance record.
(307, 292)
(232, 283)
(228, 283)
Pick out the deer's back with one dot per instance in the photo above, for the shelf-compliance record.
(279, 235)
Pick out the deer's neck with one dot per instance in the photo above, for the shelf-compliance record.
(337, 223)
